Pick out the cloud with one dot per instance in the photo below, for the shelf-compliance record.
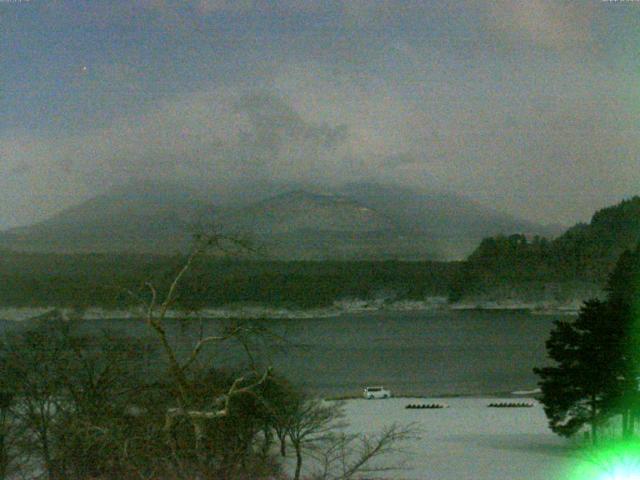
(543, 23)
(502, 100)
(212, 136)
(537, 152)
(207, 7)
(228, 6)
(553, 141)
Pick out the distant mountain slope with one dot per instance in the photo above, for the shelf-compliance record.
(357, 221)
(454, 221)
(141, 217)
(320, 226)
(584, 253)
(593, 249)
(304, 211)
(441, 214)
(151, 218)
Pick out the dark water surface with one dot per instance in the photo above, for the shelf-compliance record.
(418, 352)
(424, 353)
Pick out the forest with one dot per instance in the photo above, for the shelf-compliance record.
(103, 280)
(585, 253)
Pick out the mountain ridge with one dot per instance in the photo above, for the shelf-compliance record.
(353, 221)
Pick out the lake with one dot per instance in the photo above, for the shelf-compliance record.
(423, 353)
(416, 353)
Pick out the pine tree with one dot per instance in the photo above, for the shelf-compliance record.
(596, 359)
(573, 390)
(623, 290)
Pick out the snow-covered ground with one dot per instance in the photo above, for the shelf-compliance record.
(569, 307)
(240, 311)
(468, 440)
(338, 308)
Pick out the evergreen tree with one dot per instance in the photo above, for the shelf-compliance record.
(573, 390)
(624, 299)
(596, 359)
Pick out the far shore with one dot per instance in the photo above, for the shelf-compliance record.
(339, 308)
(427, 397)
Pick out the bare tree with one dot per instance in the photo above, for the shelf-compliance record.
(66, 394)
(283, 402)
(87, 411)
(31, 362)
(343, 456)
(317, 428)
(7, 429)
(309, 423)
(156, 308)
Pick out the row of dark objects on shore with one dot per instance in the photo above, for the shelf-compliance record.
(422, 406)
(426, 406)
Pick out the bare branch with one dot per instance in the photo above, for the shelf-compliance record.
(174, 285)
(223, 399)
(199, 346)
(152, 303)
(376, 446)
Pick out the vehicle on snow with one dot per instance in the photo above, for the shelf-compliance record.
(376, 392)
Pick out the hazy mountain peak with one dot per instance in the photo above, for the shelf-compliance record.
(357, 220)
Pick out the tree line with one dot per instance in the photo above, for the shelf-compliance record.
(100, 280)
(585, 252)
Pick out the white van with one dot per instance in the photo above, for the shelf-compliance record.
(376, 392)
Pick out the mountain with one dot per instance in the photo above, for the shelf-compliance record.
(371, 221)
(355, 221)
(323, 225)
(307, 211)
(452, 221)
(584, 254)
(137, 217)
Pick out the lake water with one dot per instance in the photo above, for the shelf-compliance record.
(431, 353)
(421, 353)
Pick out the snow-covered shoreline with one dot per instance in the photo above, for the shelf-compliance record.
(569, 307)
(469, 440)
(236, 311)
(338, 308)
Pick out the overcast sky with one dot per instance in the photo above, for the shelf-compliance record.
(530, 106)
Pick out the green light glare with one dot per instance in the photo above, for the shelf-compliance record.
(614, 461)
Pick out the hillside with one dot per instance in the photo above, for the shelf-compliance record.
(140, 218)
(361, 221)
(442, 214)
(303, 211)
(454, 222)
(584, 255)
(324, 226)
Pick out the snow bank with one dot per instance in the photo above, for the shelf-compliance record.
(470, 440)
(239, 311)
(571, 307)
(341, 307)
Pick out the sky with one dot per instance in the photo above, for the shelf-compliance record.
(531, 107)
